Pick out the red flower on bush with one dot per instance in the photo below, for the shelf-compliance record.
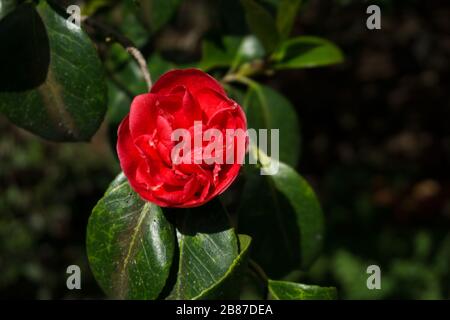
(171, 142)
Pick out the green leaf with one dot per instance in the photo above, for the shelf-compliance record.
(157, 13)
(52, 82)
(286, 13)
(284, 290)
(130, 244)
(214, 56)
(307, 208)
(283, 216)
(158, 66)
(267, 109)
(307, 52)
(262, 24)
(6, 6)
(91, 7)
(208, 249)
(125, 71)
(131, 24)
(235, 93)
(118, 105)
(231, 53)
(228, 287)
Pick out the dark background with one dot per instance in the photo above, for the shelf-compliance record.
(375, 146)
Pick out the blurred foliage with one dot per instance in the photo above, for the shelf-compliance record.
(47, 191)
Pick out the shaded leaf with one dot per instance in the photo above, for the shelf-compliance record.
(262, 24)
(284, 218)
(157, 13)
(7, 6)
(158, 66)
(52, 82)
(91, 7)
(267, 109)
(307, 208)
(229, 286)
(130, 244)
(286, 13)
(214, 56)
(307, 52)
(231, 53)
(125, 71)
(208, 248)
(284, 290)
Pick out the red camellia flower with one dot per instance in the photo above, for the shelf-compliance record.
(182, 144)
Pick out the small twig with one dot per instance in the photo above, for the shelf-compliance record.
(128, 45)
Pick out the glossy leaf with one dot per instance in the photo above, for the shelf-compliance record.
(307, 52)
(267, 109)
(130, 244)
(262, 24)
(228, 287)
(286, 13)
(55, 89)
(284, 290)
(284, 218)
(307, 208)
(208, 247)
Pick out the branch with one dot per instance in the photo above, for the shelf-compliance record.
(111, 34)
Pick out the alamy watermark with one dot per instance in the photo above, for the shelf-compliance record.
(374, 280)
(213, 147)
(74, 279)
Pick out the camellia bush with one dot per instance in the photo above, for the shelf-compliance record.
(171, 227)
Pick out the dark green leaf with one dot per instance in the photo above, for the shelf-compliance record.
(118, 104)
(284, 290)
(284, 218)
(52, 82)
(130, 244)
(307, 208)
(158, 66)
(267, 109)
(6, 6)
(237, 94)
(208, 248)
(157, 13)
(307, 52)
(231, 53)
(214, 56)
(262, 24)
(125, 71)
(228, 287)
(286, 13)
(91, 7)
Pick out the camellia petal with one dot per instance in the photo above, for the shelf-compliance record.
(192, 101)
